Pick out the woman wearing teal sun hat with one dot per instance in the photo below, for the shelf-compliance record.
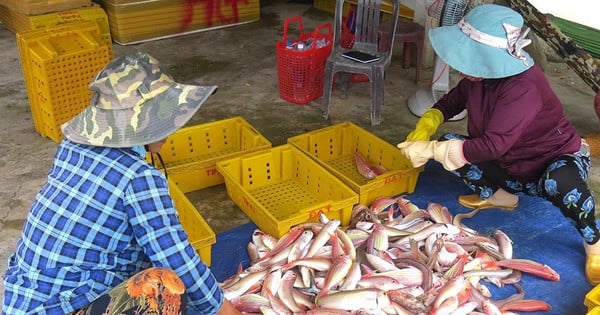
(519, 140)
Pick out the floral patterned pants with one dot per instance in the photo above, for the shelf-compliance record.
(152, 291)
(563, 183)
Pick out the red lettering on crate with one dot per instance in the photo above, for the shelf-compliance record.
(317, 213)
(248, 204)
(213, 10)
(390, 179)
(212, 172)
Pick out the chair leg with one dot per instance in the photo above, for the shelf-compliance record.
(406, 54)
(344, 83)
(419, 61)
(327, 86)
(377, 94)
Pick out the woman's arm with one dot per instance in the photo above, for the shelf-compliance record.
(228, 309)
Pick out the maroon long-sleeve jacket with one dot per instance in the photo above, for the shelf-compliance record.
(517, 122)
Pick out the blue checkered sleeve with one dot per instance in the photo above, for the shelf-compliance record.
(157, 229)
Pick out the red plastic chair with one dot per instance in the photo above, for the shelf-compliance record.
(410, 34)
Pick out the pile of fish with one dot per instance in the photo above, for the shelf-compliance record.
(393, 258)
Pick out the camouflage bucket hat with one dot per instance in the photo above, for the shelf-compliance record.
(134, 103)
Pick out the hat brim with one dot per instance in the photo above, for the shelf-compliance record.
(153, 120)
(475, 59)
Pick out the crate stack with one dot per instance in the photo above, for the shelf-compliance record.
(135, 21)
(62, 45)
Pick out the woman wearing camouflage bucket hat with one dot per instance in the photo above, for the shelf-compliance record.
(519, 140)
(102, 236)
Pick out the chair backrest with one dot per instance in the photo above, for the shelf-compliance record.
(368, 14)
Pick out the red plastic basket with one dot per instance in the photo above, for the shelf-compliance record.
(301, 71)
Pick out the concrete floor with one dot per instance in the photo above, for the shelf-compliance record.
(241, 61)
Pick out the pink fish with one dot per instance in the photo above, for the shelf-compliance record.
(531, 267)
(285, 241)
(337, 273)
(526, 305)
(250, 303)
(380, 204)
(285, 291)
(364, 168)
(439, 213)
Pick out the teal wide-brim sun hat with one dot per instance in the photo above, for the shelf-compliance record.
(486, 43)
(134, 103)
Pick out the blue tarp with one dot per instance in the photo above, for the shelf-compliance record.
(537, 228)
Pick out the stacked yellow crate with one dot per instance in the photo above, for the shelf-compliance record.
(134, 21)
(59, 62)
(34, 7)
(18, 22)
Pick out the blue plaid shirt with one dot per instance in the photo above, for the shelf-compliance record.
(104, 215)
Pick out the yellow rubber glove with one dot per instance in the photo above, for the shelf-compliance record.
(427, 125)
(417, 152)
(448, 153)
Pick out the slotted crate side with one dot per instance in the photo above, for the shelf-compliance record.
(208, 142)
(190, 154)
(64, 93)
(282, 187)
(93, 13)
(58, 65)
(200, 235)
(334, 148)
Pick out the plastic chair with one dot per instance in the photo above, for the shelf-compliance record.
(408, 33)
(366, 39)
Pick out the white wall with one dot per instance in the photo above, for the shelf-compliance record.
(586, 12)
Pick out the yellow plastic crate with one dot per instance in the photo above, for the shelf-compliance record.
(592, 299)
(200, 235)
(19, 22)
(334, 148)
(594, 311)
(140, 21)
(190, 154)
(58, 65)
(32, 7)
(282, 187)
